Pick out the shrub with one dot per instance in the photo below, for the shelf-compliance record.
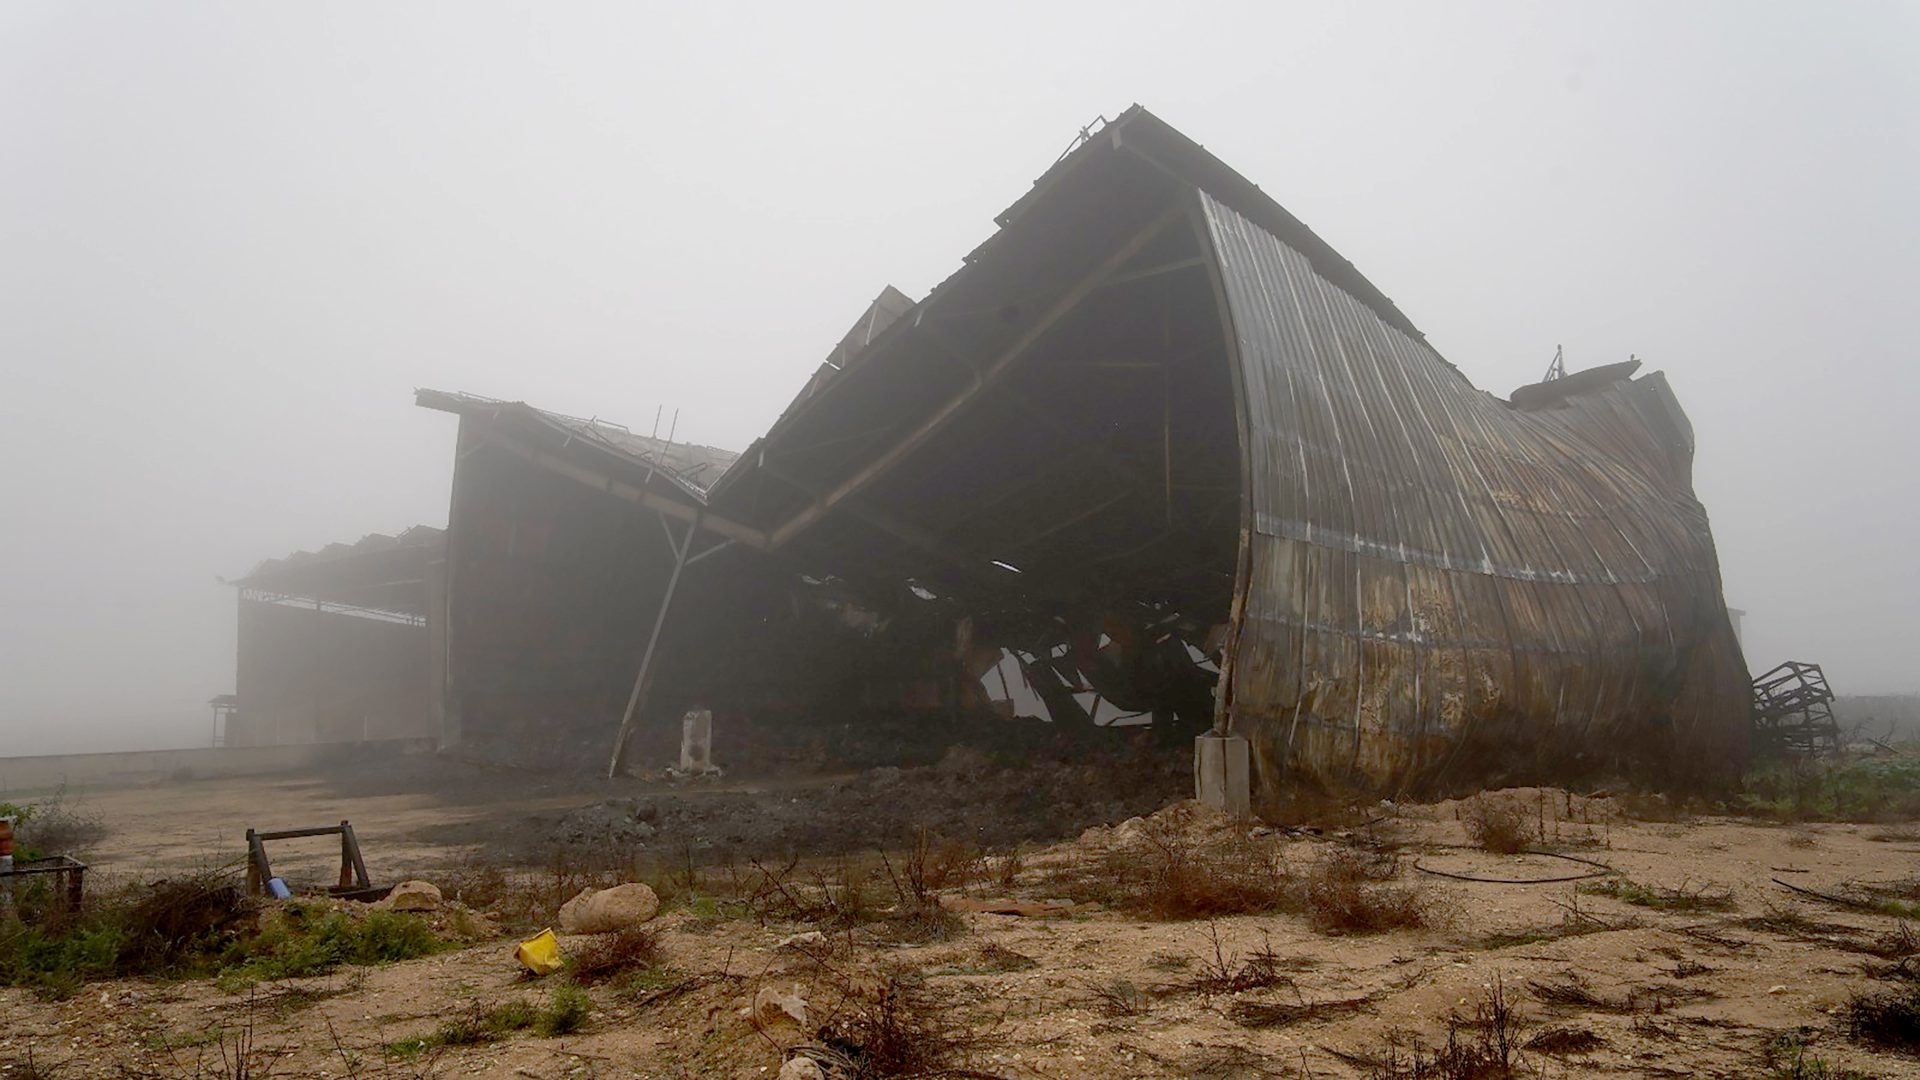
(1176, 873)
(1345, 893)
(175, 923)
(55, 825)
(1227, 972)
(1787, 1059)
(472, 1028)
(566, 1013)
(55, 962)
(199, 926)
(302, 940)
(1484, 1046)
(1872, 789)
(176, 927)
(898, 1028)
(1496, 825)
(1888, 1019)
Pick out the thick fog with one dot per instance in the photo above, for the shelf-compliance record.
(234, 238)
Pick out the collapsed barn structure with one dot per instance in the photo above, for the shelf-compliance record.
(1154, 453)
(335, 645)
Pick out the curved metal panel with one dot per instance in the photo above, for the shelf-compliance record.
(1446, 587)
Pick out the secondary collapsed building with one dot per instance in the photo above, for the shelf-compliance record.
(1155, 452)
(335, 645)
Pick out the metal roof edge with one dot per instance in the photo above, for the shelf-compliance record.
(572, 428)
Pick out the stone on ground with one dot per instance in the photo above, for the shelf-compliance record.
(771, 1008)
(411, 896)
(801, 1068)
(602, 911)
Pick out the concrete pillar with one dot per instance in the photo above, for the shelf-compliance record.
(1222, 773)
(696, 741)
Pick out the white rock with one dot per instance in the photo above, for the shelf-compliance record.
(412, 896)
(801, 1068)
(601, 911)
(771, 1008)
(803, 941)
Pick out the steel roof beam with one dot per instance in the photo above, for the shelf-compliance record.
(999, 366)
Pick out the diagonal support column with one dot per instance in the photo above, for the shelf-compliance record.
(641, 679)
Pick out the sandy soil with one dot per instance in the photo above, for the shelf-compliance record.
(1679, 992)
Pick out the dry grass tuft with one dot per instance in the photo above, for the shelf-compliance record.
(1661, 898)
(1573, 994)
(1230, 1062)
(1345, 892)
(1187, 878)
(1267, 1014)
(1118, 998)
(1176, 871)
(995, 957)
(854, 892)
(1222, 972)
(1497, 825)
(898, 1027)
(1483, 1046)
(57, 825)
(178, 917)
(1790, 923)
(1888, 1019)
(1566, 1040)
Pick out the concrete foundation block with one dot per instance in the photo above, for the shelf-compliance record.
(696, 742)
(1222, 773)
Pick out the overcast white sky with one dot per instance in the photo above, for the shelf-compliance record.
(234, 237)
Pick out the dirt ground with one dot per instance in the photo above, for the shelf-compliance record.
(416, 813)
(1076, 991)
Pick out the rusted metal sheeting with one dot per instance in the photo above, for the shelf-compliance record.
(1441, 586)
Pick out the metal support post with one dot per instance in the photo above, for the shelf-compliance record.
(634, 699)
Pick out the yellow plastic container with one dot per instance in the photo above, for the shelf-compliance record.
(540, 953)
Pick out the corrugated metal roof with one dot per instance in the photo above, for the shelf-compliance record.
(377, 571)
(693, 467)
(1432, 570)
(423, 536)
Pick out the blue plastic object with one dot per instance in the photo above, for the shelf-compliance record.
(278, 888)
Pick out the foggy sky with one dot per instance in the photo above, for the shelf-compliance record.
(234, 238)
